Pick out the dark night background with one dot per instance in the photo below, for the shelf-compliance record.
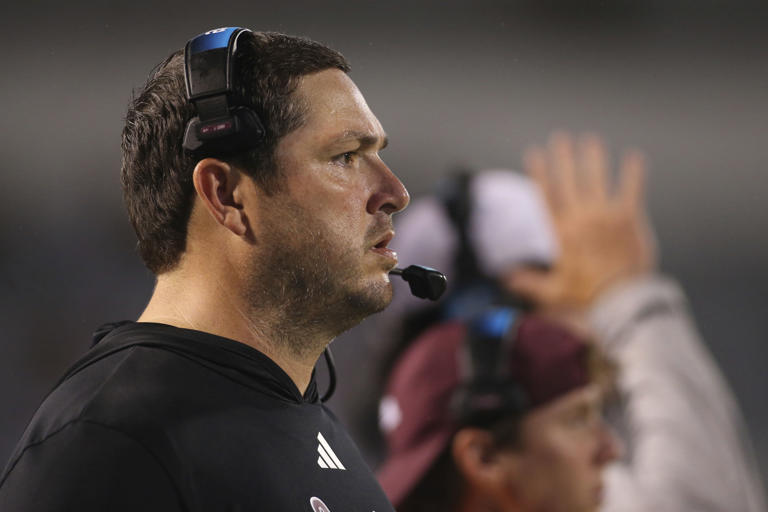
(452, 83)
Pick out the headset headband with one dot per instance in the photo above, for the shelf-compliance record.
(204, 56)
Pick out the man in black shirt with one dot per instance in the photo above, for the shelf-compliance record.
(252, 176)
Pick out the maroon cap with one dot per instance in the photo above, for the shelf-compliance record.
(416, 413)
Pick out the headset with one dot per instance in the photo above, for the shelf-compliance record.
(454, 194)
(488, 391)
(224, 123)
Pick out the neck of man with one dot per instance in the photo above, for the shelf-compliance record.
(197, 300)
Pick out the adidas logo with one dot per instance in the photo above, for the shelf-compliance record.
(327, 458)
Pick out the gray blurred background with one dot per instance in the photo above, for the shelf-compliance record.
(452, 84)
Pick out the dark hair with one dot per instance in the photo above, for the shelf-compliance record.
(157, 172)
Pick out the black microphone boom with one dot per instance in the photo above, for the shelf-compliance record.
(425, 282)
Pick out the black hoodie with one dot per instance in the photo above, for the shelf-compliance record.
(160, 418)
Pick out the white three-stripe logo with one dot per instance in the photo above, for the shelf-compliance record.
(327, 458)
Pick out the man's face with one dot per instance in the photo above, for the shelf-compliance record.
(564, 447)
(323, 235)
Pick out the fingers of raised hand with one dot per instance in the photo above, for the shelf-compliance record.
(593, 161)
(535, 163)
(570, 171)
(572, 176)
(632, 180)
(564, 168)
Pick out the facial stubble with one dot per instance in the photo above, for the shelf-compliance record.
(310, 281)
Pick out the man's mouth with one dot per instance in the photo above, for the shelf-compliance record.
(380, 248)
(384, 241)
(599, 494)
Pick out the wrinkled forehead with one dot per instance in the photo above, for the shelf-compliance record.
(334, 102)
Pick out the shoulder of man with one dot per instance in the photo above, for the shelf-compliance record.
(87, 466)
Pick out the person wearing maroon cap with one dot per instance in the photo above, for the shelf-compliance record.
(515, 426)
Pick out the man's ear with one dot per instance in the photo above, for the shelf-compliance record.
(215, 183)
(485, 467)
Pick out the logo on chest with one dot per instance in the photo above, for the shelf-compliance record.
(327, 459)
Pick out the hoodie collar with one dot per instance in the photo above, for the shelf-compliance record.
(235, 359)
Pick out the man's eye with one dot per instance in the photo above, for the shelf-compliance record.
(582, 418)
(575, 419)
(346, 158)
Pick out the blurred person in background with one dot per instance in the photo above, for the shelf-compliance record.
(494, 413)
(583, 257)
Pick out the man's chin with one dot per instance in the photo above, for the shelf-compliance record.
(379, 295)
(357, 307)
(372, 297)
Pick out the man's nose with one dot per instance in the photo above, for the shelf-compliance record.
(609, 446)
(389, 195)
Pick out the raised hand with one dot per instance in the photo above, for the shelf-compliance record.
(600, 222)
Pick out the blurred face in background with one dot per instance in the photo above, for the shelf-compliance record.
(563, 448)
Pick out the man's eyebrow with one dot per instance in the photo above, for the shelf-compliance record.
(365, 139)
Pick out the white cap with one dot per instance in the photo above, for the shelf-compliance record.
(508, 225)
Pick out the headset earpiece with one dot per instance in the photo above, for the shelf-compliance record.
(488, 390)
(224, 123)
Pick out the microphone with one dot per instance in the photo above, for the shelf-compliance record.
(425, 282)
